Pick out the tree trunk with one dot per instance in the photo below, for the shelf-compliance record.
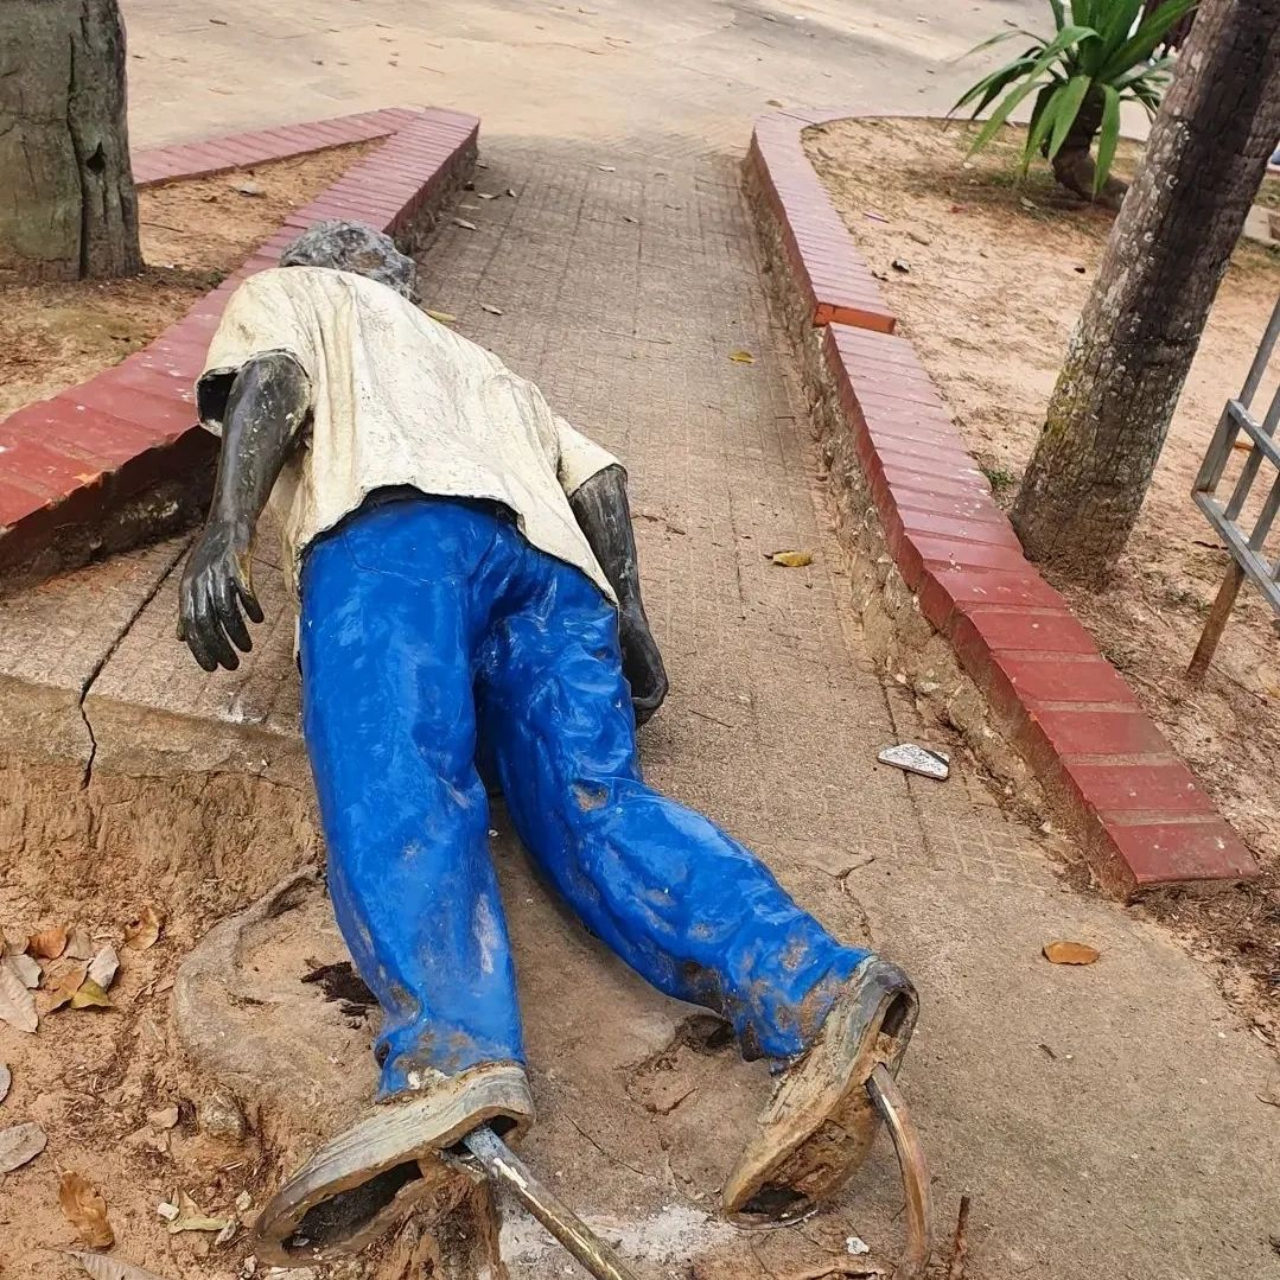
(1177, 35)
(1129, 355)
(1074, 166)
(68, 209)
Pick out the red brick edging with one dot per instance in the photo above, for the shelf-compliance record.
(1138, 811)
(106, 462)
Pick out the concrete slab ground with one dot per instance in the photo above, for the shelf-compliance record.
(1106, 1120)
(611, 71)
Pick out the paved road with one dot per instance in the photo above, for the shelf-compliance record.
(610, 71)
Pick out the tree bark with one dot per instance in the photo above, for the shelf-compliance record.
(1177, 35)
(68, 208)
(1074, 166)
(1169, 247)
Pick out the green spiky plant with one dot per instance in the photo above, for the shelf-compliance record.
(1103, 56)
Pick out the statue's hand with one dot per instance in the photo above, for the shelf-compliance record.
(641, 663)
(215, 584)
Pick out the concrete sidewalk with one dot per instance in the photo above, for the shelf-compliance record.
(614, 72)
(1105, 1119)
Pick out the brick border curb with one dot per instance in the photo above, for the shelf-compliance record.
(1137, 810)
(102, 465)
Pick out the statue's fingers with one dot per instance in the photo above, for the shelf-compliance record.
(228, 610)
(244, 588)
(210, 628)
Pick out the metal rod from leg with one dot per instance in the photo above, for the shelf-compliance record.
(915, 1172)
(1216, 622)
(507, 1170)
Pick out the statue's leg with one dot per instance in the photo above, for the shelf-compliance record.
(390, 617)
(682, 902)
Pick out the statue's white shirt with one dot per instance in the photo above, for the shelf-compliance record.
(399, 399)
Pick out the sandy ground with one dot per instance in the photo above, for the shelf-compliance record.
(998, 273)
(193, 235)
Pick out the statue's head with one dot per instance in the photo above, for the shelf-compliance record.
(352, 246)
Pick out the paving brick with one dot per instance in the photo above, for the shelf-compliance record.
(1170, 853)
(996, 630)
(1063, 678)
(50, 468)
(1094, 733)
(19, 504)
(960, 528)
(61, 425)
(944, 591)
(969, 555)
(915, 488)
(1018, 686)
(1116, 786)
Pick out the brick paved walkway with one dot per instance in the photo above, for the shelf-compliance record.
(624, 289)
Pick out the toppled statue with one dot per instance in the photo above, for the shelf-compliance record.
(470, 607)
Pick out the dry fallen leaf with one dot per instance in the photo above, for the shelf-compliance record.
(18, 1145)
(465, 225)
(17, 1004)
(29, 973)
(103, 967)
(86, 1210)
(48, 944)
(1070, 953)
(144, 932)
(64, 991)
(101, 1267)
(490, 308)
(191, 1219)
(742, 357)
(243, 1202)
(607, 168)
(442, 317)
(792, 559)
(91, 996)
(6, 1079)
(79, 944)
(487, 195)
(60, 993)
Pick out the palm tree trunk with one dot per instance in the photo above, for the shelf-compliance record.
(1074, 167)
(68, 209)
(1129, 355)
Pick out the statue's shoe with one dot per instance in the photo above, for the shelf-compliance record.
(820, 1122)
(366, 1181)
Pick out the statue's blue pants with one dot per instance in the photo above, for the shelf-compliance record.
(431, 631)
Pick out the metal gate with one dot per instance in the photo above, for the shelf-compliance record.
(1247, 548)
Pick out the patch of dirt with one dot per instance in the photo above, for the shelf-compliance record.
(999, 269)
(194, 234)
(103, 1086)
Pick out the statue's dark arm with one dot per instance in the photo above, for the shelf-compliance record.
(604, 515)
(267, 402)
